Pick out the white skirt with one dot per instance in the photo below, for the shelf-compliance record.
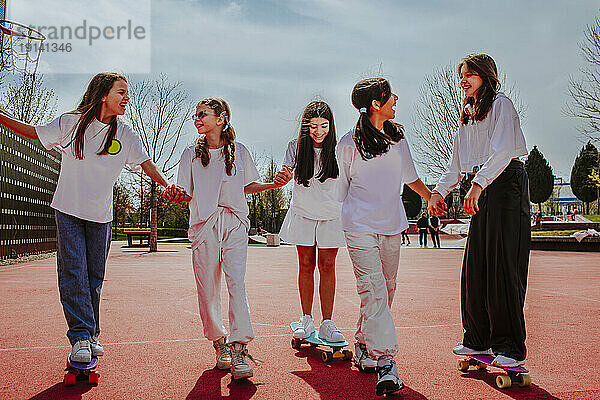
(302, 231)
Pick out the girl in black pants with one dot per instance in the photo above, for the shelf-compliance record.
(486, 151)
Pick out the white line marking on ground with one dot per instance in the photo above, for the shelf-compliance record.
(197, 339)
(564, 294)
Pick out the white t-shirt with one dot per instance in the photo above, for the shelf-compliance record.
(85, 187)
(489, 144)
(211, 187)
(319, 200)
(371, 190)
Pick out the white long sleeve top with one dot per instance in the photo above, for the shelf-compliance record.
(489, 144)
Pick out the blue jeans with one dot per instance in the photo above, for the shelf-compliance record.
(82, 249)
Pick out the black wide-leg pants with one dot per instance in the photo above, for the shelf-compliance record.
(495, 265)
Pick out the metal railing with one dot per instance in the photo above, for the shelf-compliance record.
(28, 178)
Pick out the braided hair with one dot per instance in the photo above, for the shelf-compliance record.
(221, 108)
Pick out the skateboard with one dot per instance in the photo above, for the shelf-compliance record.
(326, 356)
(518, 375)
(81, 371)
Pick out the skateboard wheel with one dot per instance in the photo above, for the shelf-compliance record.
(326, 356)
(93, 378)
(69, 379)
(347, 355)
(525, 380)
(503, 381)
(296, 343)
(462, 365)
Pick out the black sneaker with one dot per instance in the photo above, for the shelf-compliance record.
(387, 377)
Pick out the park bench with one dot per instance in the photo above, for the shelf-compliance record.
(565, 243)
(139, 233)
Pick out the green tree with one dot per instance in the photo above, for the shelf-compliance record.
(541, 177)
(122, 203)
(412, 202)
(274, 201)
(582, 185)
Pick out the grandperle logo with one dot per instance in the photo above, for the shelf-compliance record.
(92, 33)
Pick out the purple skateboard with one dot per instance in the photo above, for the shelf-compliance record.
(81, 371)
(518, 375)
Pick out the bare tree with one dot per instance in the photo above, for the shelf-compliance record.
(158, 112)
(585, 91)
(29, 100)
(437, 116)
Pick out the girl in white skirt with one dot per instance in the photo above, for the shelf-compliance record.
(215, 173)
(375, 161)
(313, 221)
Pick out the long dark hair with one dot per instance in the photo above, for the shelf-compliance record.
(484, 66)
(369, 140)
(305, 155)
(221, 108)
(90, 107)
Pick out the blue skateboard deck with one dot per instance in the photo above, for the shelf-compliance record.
(512, 375)
(81, 371)
(313, 340)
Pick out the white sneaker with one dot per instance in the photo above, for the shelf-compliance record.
(329, 332)
(361, 359)
(461, 350)
(222, 354)
(387, 377)
(96, 347)
(305, 328)
(239, 367)
(503, 361)
(81, 352)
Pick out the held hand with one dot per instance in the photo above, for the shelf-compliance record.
(283, 176)
(471, 205)
(437, 205)
(175, 194)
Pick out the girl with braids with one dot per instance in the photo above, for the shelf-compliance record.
(374, 161)
(486, 154)
(95, 147)
(313, 220)
(215, 173)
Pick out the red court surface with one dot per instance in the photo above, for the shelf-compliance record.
(155, 349)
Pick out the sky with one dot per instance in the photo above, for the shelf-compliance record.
(270, 58)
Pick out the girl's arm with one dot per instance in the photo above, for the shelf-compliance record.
(255, 187)
(282, 177)
(419, 187)
(18, 126)
(173, 193)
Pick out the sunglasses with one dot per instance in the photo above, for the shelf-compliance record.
(201, 115)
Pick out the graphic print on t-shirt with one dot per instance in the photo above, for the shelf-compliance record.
(115, 147)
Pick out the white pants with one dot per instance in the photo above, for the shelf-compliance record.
(223, 247)
(375, 259)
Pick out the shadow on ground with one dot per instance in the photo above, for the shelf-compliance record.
(338, 380)
(208, 386)
(60, 391)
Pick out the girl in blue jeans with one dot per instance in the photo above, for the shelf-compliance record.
(95, 147)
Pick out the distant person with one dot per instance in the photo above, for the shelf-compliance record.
(214, 175)
(423, 226)
(260, 231)
(375, 161)
(313, 222)
(95, 146)
(434, 230)
(486, 151)
(405, 237)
